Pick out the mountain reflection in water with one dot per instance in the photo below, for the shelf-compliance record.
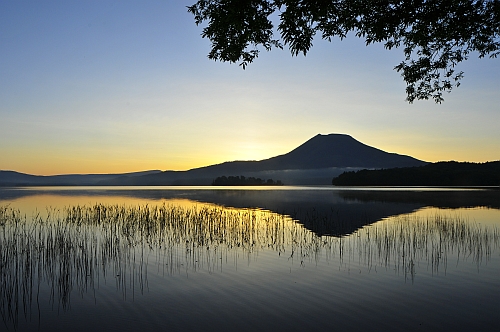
(323, 210)
(288, 258)
(78, 249)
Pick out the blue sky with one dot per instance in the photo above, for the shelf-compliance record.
(119, 86)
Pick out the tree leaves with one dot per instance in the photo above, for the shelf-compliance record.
(436, 34)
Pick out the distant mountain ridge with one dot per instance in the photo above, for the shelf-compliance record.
(314, 162)
(13, 178)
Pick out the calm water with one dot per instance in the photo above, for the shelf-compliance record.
(294, 258)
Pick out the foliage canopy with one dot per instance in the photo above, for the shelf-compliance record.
(436, 35)
(448, 173)
(243, 181)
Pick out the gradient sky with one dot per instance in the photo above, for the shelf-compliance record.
(120, 86)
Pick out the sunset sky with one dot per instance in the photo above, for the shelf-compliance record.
(120, 86)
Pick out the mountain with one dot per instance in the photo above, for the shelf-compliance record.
(314, 162)
(12, 178)
(337, 150)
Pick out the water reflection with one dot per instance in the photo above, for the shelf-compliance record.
(80, 249)
(440, 198)
(407, 243)
(325, 210)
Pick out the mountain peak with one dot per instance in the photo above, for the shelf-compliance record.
(339, 150)
(332, 135)
(321, 154)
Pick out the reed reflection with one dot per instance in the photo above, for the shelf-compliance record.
(76, 249)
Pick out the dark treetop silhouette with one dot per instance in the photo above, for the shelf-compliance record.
(436, 35)
(244, 181)
(449, 173)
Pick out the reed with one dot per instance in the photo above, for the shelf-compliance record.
(405, 242)
(73, 250)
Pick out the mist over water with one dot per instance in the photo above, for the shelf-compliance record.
(186, 259)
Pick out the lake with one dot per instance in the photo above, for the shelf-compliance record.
(241, 258)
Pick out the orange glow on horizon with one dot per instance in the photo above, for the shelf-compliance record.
(65, 160)
(116, 167)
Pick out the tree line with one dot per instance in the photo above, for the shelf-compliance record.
(244, 181)
(449, 173)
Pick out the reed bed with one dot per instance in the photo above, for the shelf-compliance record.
(407, 242)
(71, 251)
(74, 250)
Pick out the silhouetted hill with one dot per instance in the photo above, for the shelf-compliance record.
(16, 179)
(337, 150)
(449, 173)
(324, 151)
(313, 162)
